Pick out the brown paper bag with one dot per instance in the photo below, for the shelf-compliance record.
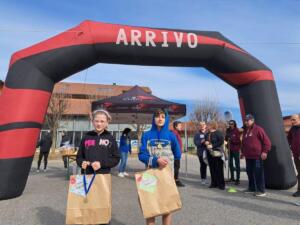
(93, 208)
(158, 193)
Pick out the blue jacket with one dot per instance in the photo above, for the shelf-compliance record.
(125, 145)
(158, 141)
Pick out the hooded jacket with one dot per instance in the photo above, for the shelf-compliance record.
(255, 142)
(294, 140)
(159, 143)
(98, 147)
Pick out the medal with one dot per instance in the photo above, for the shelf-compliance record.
(159, 146)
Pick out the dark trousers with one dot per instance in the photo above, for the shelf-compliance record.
(203, 166)
(297, 163)
(234, 156)
(65, 161)
(256, 177)
(45, 155)
(216, 167)
(176, 168)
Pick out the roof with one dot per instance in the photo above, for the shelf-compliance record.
(93, 89)
(138, 106)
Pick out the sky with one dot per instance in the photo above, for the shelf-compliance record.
(268, 30)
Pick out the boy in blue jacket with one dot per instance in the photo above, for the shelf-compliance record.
(159, 148)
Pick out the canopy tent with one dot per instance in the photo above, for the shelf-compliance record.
(136, 106)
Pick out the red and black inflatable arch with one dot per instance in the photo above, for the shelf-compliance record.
(34, 71)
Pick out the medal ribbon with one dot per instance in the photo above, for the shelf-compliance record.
(87, 189)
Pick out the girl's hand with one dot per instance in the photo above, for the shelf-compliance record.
(85, 164)
(162, 162)
(96, 165)
(206, 143)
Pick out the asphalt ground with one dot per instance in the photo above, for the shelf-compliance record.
(44, 201)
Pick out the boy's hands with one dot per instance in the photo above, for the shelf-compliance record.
(162, 162)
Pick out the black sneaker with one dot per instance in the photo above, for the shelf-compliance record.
(297, 194)
(179, 184)
(237, 182)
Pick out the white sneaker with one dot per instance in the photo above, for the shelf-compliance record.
(203, 181)
(121, 175)
(125, 174)
(37, 171)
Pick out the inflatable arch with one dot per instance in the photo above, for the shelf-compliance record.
(34, 71)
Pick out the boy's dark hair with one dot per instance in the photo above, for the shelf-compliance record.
(175, 124)
(158, 112)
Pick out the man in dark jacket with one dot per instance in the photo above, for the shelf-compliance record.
(199, 141)
(255, 147)
(45, 146)
(294, 141)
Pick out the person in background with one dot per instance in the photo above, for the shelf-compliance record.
(233, 139)
(159, 148)
(294, 142)
(214, 141)
(98, 151)
(125, 147)
(255, 147)
(199, 141)
(177, 129)
(45, 145)
(65, 142)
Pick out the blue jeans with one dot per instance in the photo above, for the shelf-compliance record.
(123, 162)
(255, 172)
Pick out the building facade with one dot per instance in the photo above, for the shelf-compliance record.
(76, 99)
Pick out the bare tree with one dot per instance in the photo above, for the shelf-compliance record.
(206, 110)
(58, 106)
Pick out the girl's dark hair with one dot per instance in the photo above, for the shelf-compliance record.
(126, 131)
(233, 121)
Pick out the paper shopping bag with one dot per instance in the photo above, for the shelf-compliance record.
(157, 191)
(93, 207)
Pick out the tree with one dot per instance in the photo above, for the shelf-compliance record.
(58, 106)
(206, 110)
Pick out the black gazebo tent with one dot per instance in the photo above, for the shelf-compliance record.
(137, 106)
